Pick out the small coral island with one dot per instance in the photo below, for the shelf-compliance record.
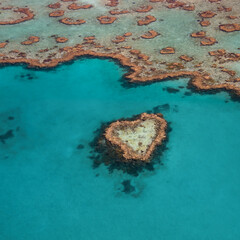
(136, 140)
(129, 144)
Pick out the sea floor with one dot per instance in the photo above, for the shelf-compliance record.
(50, 190)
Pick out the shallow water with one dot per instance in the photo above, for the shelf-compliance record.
(49, 190)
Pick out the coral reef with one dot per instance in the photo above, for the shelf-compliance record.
(144, 9)
(26, 11)
(57, 13)
(147, 20)
(3, 44)
(106, 19)
(213, 71)
(31, 40)
(230, 27)
(167, 50)
(70, 21)
(136, 139)
(150, 34)
(74, 6)
(55, 5)
(61, 39)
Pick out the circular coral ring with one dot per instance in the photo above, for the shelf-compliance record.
(26, 11)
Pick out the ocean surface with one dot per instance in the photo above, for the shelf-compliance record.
(50, 190)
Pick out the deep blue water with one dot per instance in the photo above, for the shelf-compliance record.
(49, 190)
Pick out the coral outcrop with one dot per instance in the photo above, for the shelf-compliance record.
(147, 20)
(75, 6)
(70, 21)
(207, 14)
(150, 34)
(230, 27)
(25, 11)
(167, 50)
(55, 5)
(57, 13)
(31, 40)
(61, 39)
(137, 139)
(3, 44)
(144, 9)
(106, 19)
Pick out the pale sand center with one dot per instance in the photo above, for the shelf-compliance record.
(140, 137)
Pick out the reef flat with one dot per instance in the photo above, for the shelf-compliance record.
(157, 39)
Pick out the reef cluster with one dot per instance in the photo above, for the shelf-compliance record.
(207, 71)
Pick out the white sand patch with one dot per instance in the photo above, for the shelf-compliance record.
(140, 137)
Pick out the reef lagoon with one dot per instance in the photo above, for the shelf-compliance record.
(50, 190)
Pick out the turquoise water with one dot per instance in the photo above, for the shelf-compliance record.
(49, 190)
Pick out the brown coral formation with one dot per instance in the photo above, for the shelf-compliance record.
(175, 66)
(225, 9)
(26, 11)
(90, 38)
(198, 34)
(124, 137)
(205, 23)
(186, 58)
(116, 12)
(232, 17)
(57, 13)
(112, 3)
(119, 39)
(3, 44)
(189, 8)
(70, 21)
(167, 50)
(207, 14)
(106, 19)
(135, 51)
(7, 8)
(144, 9)
(208, 41)
(219, 52)
(127, 34)
(150, 34)
(223, 56)
(230, 27)
(147, 20)
(55, 5)
(230, 72)
(75, 6)
(31, 40)
(61, 39)
(176, 4)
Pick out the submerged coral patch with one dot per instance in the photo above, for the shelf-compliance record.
(136, 140)
(26, 12)
(133, 152)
